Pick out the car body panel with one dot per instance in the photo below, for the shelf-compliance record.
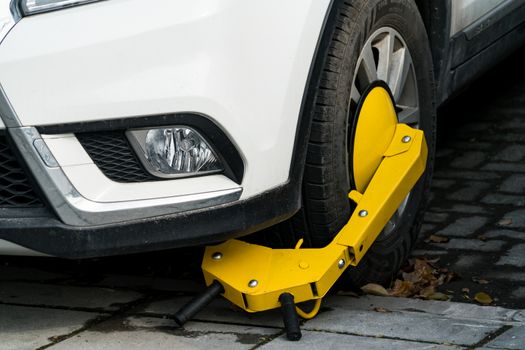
(174, 56)
(466, 12)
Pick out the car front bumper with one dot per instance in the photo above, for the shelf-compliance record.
(243, 67)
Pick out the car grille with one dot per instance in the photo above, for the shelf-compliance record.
(15, 188)
(111, 152)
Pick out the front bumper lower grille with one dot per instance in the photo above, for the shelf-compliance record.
(16, 190)
(111, 152)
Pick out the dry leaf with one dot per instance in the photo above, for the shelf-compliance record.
(381, 309)
(505, 222)
(483, 298)
(374, 289)
(425, 293)
(479, 280)
(438, 296)
(420, 279)
(438, 239)
(403, 289)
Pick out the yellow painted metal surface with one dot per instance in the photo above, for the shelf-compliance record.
(375, 128)
(309, 273)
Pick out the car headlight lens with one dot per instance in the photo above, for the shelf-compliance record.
(174, 151)
(30, 7)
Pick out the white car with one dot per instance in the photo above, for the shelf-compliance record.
(133, 125)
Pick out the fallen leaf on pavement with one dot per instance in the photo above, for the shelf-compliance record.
(403, 289)
(438, 239)
(381, 309)
(483, 298)
(374, 289)
(505, 222)
(420, 278)
(425, 293)
(438, 296)
(479, 280)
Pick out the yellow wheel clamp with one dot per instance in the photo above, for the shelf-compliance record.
(388, 159)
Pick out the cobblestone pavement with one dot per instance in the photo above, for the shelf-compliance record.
(478, 204)
(478, 194)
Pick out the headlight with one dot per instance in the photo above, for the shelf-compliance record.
(30, 7)
(175, 151)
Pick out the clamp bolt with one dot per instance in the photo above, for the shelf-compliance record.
(341, 263)
(406, 139)
(253, 283)
(363, 213)
(216, 256)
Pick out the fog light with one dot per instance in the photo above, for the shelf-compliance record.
(174, 151)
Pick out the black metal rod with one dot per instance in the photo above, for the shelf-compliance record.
(198, 303)
(290, 317)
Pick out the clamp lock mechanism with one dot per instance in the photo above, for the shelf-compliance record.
(388, 160)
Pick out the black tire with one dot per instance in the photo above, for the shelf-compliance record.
(326, 207)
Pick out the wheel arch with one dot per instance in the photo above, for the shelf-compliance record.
(436, 15)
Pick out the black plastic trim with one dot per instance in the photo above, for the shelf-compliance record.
(227, 152)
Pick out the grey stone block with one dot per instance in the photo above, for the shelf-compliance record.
(472, 244)
(157, 333)
(449, 310)
(435, 217)
(513, 167)
(344, 318)
(220, 310)
(515, 256)
(512, 276)
(466, 262)
(519, 292)
(465, 208)
(517, 218)
(498, 198)
(514, 184)
(505, 234)
(28, 274)
(65, 296)
(469, 160)
(464, 227)
(470, 191)
(468, 175)
(513, 339)
(23, 327)
(443, 183)
(152, 283)
(513, 153)
(321, 340)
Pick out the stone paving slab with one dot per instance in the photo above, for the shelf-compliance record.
(64, 296)
(398, 325)
(449, 310)
(322, 340)
(149, 283)
(512, 339)
(220, 310)
(24, 327)
(157, 333)
(12, 273)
